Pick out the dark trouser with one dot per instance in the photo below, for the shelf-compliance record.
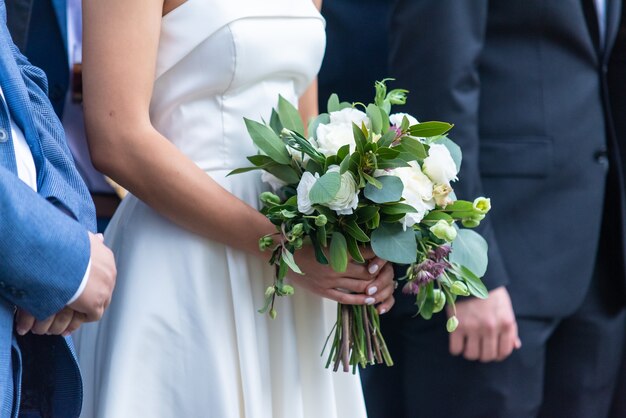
(566, 368)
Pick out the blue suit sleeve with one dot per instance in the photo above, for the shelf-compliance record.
(435, 53)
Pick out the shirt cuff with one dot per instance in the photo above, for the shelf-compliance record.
(83, 284)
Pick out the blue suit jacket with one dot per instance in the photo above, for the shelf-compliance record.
(44, 247)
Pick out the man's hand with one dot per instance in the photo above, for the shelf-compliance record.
(97, 294)
(63, 323)
(487, 328)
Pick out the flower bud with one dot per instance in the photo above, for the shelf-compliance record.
(397, 96)
(297, 230)
(265, 243)
(470, 223)
(287, 290)
(273, 313)
(482, 205)
(269, 198)
(321, 220)
(443, 230)
(441, 193)
(440, 300)
(452, 323)
(459, 288)
(269, 291)
(297, 243)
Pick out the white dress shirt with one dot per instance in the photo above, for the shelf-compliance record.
(601, 12)
(27, 172)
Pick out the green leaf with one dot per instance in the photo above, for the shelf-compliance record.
(373, 113)
(288, 258)
(413, 147)
(333, 103)
(392, 243)
(387, 139)
(437, 216)
(455, 150)
(469, 249)
(391, 190)
(366, 213)
(343, 151)
(352, 228)
(338, 252)
(323, 119)
(353, 249)
(275, 124)
(345, 165)
(395, 163)
(460, 206)
(371, 180)
(387, 153)
(397, 209)
(321, 237)
(243, 170)
(284, 172)
(474, 284)
(319, 253)
(260, 160)
(268, 142)
(428, 129)
(325, 188)
(359, 139)
(289, 116)
(426, 310)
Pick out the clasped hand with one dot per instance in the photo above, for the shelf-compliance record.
(361, 284)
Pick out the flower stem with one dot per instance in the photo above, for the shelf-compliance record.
(345, 337)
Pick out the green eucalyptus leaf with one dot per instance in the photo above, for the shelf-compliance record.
(289, 116)
(390, 191)
(366, 213)
(469, 249)
(323, 119)
(268, 142)
(429, 129)
(325, 188)
(397, 209)
(392, 243)
(333, 103)
(338, 252)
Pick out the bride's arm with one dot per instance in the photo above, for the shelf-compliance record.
(120, 50)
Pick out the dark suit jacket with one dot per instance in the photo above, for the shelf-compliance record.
(525, 84)
(41, 34)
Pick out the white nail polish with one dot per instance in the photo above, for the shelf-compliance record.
(372, 290)
(382, 311)
(373, 268)
(370, 301)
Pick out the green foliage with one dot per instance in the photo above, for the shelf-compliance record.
(338, 252)
(289, 116)
(325, 188)
(390, 190)
(390, 242)
(267, 141)
(469, 249)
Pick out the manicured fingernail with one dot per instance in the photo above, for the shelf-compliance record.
(382, 311)
(66, 334)
(21, 331)
(373, 268)
(372, 290)
(370, 301)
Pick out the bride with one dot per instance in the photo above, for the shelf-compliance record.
(167, 85)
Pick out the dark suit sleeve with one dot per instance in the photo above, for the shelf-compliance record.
(434, 53)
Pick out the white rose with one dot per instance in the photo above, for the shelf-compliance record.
(336, 134)
(347, 198)
(304, 187)
(274, 182)
(396, 119)
(417, 192)
(439, 165)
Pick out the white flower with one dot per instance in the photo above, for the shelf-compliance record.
(332, 136)
(439, 165)
(304, 187)
(417, 192)
(274, 182)
(396, 119)
(347, 198)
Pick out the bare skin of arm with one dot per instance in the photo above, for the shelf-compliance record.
(119, 59)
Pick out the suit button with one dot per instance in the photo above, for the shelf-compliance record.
(4, 136)
(601, 156)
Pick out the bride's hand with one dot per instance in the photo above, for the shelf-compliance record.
(361, 284)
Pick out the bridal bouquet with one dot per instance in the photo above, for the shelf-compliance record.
(366, 177)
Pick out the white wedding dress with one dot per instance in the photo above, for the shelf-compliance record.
(182, 337)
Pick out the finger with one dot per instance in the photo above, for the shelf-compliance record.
(375, 265)
(100, 236)
(41, 327)
(489, 347)
(349, 298)
(472, 347)
(457, 342)
(518, 344)
(367, 253)
(384, 281)
(77, 320)
(349, 285)
(506, 344)
(24, 322)
(61, 322)
(357, 271)
(386, 305)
